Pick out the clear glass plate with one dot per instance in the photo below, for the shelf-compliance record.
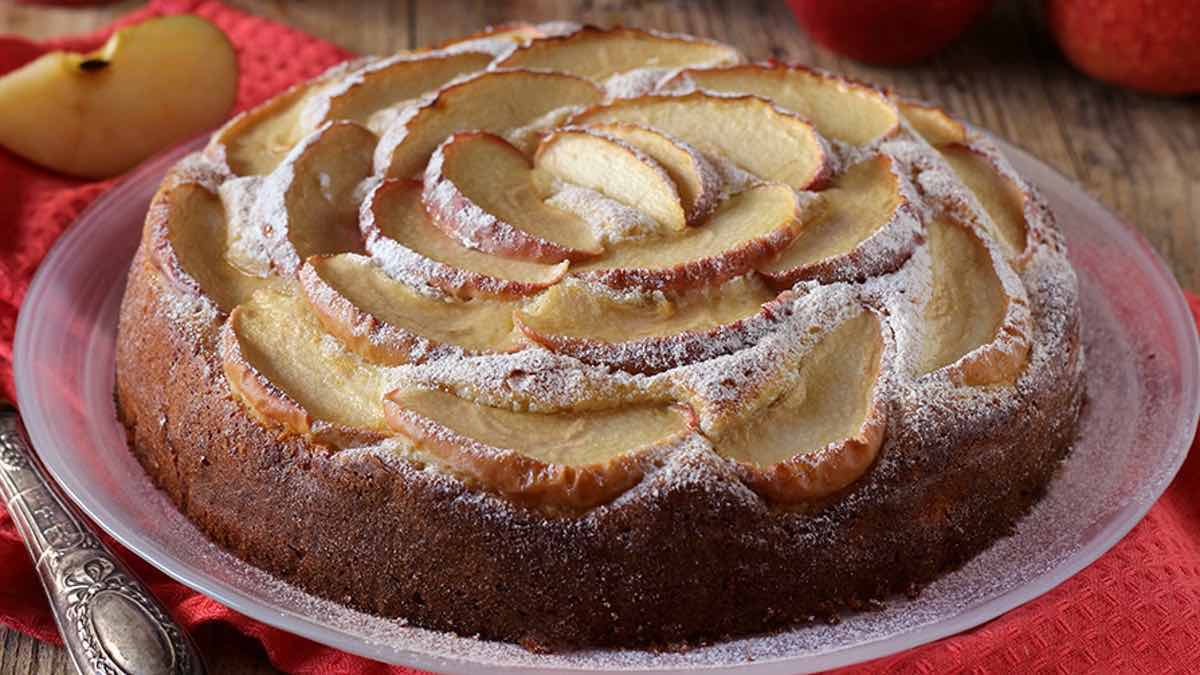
(1142, 354)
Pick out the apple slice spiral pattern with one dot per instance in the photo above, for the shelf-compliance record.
(583, 337)
(625, 206)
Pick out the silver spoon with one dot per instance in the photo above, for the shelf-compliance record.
(110, 623)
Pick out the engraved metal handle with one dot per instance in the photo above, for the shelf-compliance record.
(110, 623)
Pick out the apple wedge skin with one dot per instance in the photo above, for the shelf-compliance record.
(462, 219)
(675, 218)
(809, 477)
(273, 125)
(1014, 238)
(405, 264)
(405, 150)
(1001, 359)
(373, 338)
(695, 273)
(375, 86)
(233, 286)
(823, 120)
(641, 110)
(711, 270)
(653, 355)
(806, 476)
(361, 332)
(520, 32)
(704, 181)
(272, 406)
(527, 55)
(882, 252)
(931, 123)
(559, 488)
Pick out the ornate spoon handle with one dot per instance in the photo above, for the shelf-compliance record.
(110, 623)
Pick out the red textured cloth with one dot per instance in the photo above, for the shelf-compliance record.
(1136, 609)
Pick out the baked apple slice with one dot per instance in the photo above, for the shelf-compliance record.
(696, 179)
(254, 142)
(839, 108)
(506, 34)
(473, 104)
(1000, 196)
(279, 363)
(389, 322)
(615, 169)
(305, 206)
(408, 247)
(480, 191)
(746, 229)
(599, 53)
(571, 460)
(817, 425)
(977, 324)
(864, 200)
(390, 81)
(187, 225)
(770, 143)
(932, 123)
(650, 333)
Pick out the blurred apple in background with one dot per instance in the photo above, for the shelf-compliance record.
(887, 32)
(95, 115)
(1149, 45)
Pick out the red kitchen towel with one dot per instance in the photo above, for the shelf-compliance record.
(1135, 609)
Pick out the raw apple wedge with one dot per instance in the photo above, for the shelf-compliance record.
(187, 226)
(571, 460)
(865, 199)
(389, 322)
(387, 82)
(95, 115)
(697, 180)
(976, 326)
(471, 104)
(746, 229)
(839, 108)
(480, 190)
(406, 244)
(305, 206)
(646, 334)
(615, 169)
(999, 195)
(279, 364)
(770, 143)
(818, 426)
(598, 53)
(932, 123)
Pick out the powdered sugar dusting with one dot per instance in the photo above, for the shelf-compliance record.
(611, 220)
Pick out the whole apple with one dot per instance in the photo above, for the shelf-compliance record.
(1149, 45)
(887, 32)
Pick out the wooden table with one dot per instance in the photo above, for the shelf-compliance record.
(1137, 154)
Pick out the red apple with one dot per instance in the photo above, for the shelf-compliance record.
(887, 32)
(1149, 45)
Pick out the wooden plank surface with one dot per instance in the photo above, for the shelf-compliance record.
(1136, 154)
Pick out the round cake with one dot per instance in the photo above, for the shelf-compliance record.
(576, 337)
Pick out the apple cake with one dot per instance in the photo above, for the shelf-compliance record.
(573, 336)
